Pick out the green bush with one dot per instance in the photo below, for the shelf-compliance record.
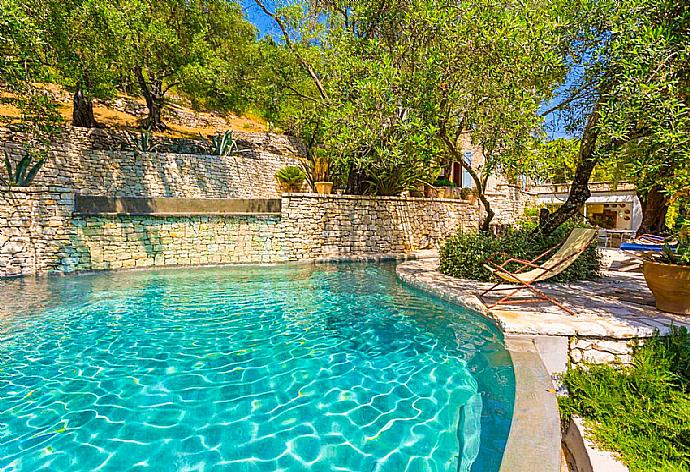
(464, 254)
(291, 176)
(443, 182)
(642, 411)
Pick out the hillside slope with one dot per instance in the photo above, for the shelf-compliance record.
(125, 112)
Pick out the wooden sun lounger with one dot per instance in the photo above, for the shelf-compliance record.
(524, 279)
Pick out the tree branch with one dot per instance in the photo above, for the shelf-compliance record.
(291, 46)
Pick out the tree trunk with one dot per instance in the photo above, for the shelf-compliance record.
(356, 182)
(654, 207)
(153, 94)
(579, 189)
(82, 114)
(479, 185)
(486, 222)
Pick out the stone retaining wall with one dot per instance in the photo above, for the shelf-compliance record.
(40, 233)
(509, 204)
(336, 225)
(35, 230)
(589, 350)
(94, 162)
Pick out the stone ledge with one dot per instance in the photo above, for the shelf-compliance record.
(113, 206)
(612, 308)
(588, 457)
(334, 196)
(534, 441)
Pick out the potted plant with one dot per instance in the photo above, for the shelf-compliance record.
(668, 275)
(446, 188)
(291, 178)
(322, 183)
(474, 195)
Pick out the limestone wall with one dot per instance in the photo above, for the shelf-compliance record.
(340, 225)
(35, 230)
(41, 234)
(94, 162)
(509, 204)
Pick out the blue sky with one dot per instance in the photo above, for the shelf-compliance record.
(257, 17)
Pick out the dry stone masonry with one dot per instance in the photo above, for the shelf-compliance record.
(93, 162)
(41, 234)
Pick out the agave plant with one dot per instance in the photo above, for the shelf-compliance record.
(223, 144)
(143, 142)
(24, 173)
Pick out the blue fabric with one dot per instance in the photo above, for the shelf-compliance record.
(641, 247)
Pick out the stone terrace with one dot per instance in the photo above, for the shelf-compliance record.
(612, 312)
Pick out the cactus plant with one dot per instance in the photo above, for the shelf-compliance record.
(143, 142)
(291, 177)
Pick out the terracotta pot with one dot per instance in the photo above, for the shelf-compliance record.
(430, 192)
(670, 284)
(324, 187)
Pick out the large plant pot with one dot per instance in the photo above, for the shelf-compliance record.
(324, 187)
(670, 284)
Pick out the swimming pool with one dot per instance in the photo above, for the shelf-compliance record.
(324, 367)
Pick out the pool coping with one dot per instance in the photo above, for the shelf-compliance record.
(332, 259)
(536, 425)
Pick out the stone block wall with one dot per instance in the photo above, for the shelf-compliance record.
(590, 350)
(125, 242)
(35, 230)
(509, 204)
(42, 235)
(320, 226)
(94, 162)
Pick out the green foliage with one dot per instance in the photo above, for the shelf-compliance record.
(681, 253)
(223, 144)
(443, 182)
(24, 173)
(642, 411)
(555, 161)
(464, 253)
(291, 176)
(143, 141)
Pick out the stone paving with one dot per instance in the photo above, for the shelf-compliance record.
(619, 306)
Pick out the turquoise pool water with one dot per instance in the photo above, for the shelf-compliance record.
(290, 368)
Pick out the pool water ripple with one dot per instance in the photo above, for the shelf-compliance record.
(320, 368)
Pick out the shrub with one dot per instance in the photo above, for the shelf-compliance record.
(642, 411)
(291, 176)
(464, 253)
(443, 182)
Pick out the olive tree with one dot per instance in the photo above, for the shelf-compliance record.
(626, 97)
(183, 44)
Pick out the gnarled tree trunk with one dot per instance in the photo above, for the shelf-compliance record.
(654, 207)
(579, 189)
(82, 114)
(356, 182)
(154, 96)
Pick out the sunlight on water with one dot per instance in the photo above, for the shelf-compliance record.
(333, 367)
